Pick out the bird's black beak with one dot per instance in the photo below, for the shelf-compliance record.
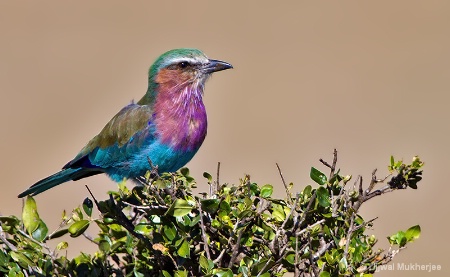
(215, 65)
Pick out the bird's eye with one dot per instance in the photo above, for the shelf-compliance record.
(183, 64)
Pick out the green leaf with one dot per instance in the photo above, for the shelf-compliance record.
(223, 272)
(206, 264)
(104, 245)
(203, 262)
(290, 258)
(170, 231)
(266, 191)
(413, 233)
(336, 178)
(59, 233)
(323, 197)
(166, 274)
(398, 239)
(181, 273)
(78, 228)
(62, 245)
(184, 171)
(137, 273)
(194, 221)
(184, 222)
(143, 229)
(10, 220)
(343, 265)
(306, 194)
(30, 216)
(254, 189)
(210, 205)
(263, 264)
(183, 250)
(278, 213)
(23, 260)
(180, 207)
(82, 258)
(318, 176)
(161, 184)
(87, 206)
(225, 206)
(324, 274)
(207, 176)
(329, 258)
(41, 232)
(243, 214)
(216, 224)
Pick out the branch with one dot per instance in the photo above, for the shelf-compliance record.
(333, 165)
(202, 226)
(217, 178)
(310, 227)
(284, 184)
(235, 248)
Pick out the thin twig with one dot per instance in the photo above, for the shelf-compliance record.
(284, 184)
(291, 212)
(364, 224)
(324, 247)
(153, 168)
(378, 192)
(152, 207)
(217, 178)
(89, 238)
(309, 227)
(61, 225)
(281, 232)
(264, 267)
(335, 204)
(311, 258)
(43, 245)
(373, 181)
(202, 226)
(308, 208)
(93, 197)
(349, 235)
(219, 258)
(297, 254)
(332, 167)
(235, 249)
(360, 189)
(325, 163)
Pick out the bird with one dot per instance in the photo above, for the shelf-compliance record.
(165, 128)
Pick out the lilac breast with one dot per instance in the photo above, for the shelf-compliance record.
(180, 118)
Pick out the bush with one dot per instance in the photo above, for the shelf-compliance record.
(162, 229)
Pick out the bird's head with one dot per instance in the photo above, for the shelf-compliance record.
(183, 67)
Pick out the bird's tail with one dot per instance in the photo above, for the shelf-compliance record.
(57, 179)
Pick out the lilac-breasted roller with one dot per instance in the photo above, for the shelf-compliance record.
(167, 126)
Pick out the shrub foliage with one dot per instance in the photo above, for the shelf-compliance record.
(162, 229)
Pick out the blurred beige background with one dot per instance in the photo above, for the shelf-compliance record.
(370, 78)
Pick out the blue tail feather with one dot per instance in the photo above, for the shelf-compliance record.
(58, 178)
